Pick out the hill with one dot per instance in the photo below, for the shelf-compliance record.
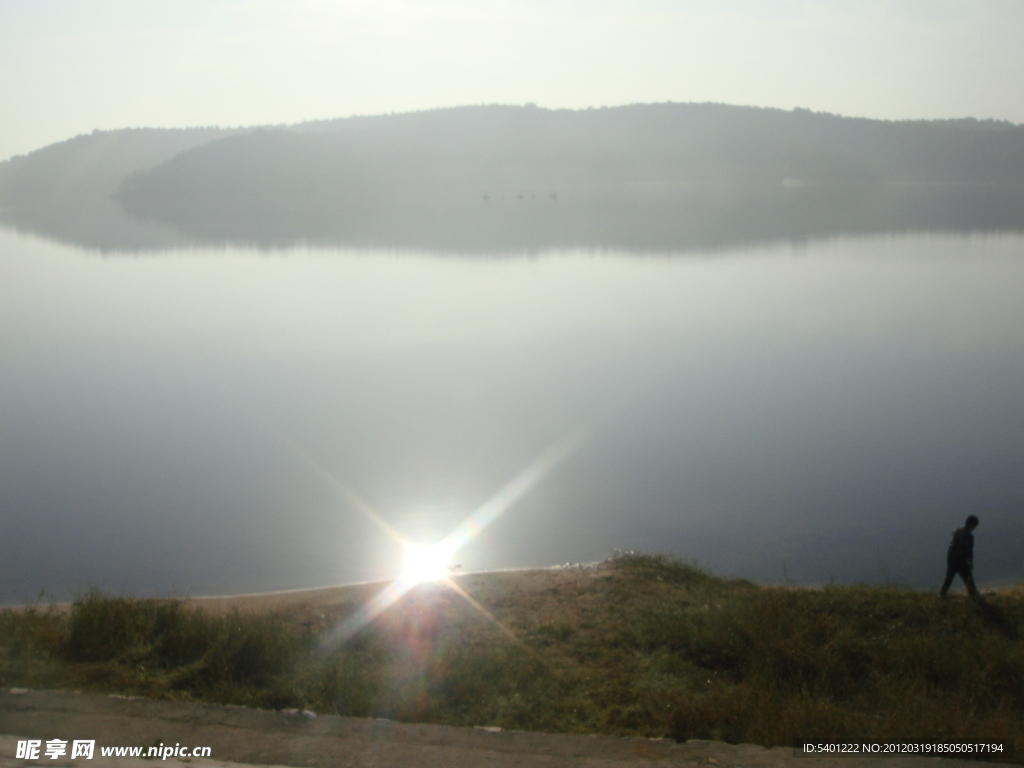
(658, 177)
(65, 190)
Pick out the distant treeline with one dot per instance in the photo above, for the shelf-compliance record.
(492, 178)
(64, 191)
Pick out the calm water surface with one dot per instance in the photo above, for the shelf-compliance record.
(806, 412)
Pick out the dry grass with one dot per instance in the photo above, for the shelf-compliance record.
(636, 645)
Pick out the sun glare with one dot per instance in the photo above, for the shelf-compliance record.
(425, 562)
(432, 562)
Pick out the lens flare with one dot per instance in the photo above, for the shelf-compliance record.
(426, 562)
(430, 562)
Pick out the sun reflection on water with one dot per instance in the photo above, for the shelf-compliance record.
(431, 562)
(426, 562)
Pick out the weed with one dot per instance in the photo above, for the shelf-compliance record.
(640, 644)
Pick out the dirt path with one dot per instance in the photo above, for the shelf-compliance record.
(238, 735)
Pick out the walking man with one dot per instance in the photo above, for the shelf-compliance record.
(960, 558)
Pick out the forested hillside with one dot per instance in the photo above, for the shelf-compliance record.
(493, 178)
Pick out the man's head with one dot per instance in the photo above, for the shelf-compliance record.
(972, 522)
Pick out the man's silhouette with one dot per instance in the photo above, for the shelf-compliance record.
(960, 558)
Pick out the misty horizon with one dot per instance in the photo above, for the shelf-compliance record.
(506, 179)
(317, 123)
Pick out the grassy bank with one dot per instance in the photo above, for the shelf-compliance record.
(637, 645)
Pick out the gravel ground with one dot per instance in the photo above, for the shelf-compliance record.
(242, 736)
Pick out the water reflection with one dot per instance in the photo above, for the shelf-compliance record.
(830, 410)
(642, 218)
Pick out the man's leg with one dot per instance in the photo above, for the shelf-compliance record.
(968, 577)
(950, 573)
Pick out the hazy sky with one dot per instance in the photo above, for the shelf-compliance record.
(69, 66)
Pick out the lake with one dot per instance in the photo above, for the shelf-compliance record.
(198, 421)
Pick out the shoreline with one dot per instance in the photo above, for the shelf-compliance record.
(334, 594)
(295, 597)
